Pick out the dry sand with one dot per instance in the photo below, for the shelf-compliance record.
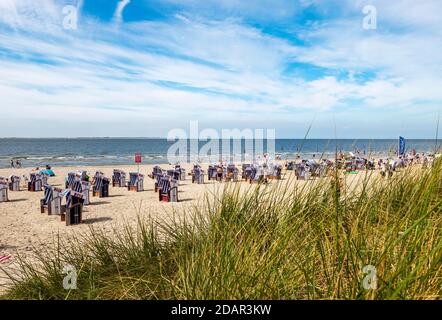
(23, 227)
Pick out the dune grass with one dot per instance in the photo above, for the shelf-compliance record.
(276, 241)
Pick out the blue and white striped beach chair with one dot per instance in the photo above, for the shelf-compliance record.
(197, 175)
(168, 191)
(136, 182)
(52, 200)
(100, 185)
(3, 190)
(14, 183)
(70, 179)
(82, 187)
(119, 178)
(181, 171)
(73, 210)
(156, 171)
(258, 174)
(35, 183)
(247, 171)
(231, 173)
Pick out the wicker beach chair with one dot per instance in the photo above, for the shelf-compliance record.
(274, 172)
(44, 178)
(51, 201)
(70, 179)
(136, 182)
(100, 185)
(231, 173)
(35, 183)
(258, 175)
(72, 211)
(82, 187)
(168, 191)
(119, 178)
(181, 171)
(158, 181)
(197, 175)
(155, 172)
(14, 183)
(4, 190)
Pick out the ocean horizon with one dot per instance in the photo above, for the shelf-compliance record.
(120, 151)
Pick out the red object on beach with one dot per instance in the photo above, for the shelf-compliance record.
(137, 157)
(4, 258)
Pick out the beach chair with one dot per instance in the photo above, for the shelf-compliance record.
(168, 191)
(158, 181)
(197, 175)
(301, 172)
(44, 178)
(274, 172)
(72, 211)
(211, 172)
(258, 175)
(155, 172)
(100, 187)
(35, 185)
(181, 172)
(136, 182)
(4, 190)
(119, 178)
(291, 166)
(174, 174)
(220, 173)
(231, 173)
(70, 179)
(14, 183)
(51, 201)
(82, 187)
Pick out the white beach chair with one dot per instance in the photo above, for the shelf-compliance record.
(35, 183)
(3, 190)
(72, 211)
(119, 178)
(168, 192)
(14, 183)
(51, 201)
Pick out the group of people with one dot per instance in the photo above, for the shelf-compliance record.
(15, 163)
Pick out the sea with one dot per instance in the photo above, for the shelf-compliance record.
(37, 152)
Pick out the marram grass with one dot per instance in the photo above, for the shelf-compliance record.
(275, 241)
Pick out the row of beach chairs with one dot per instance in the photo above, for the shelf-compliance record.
(250, 172)
(135, 182)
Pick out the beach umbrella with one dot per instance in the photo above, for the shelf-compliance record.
(49, 172)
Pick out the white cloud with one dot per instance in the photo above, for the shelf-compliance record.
(118, 16)
(215, 71)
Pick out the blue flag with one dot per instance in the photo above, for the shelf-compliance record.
(401, 145)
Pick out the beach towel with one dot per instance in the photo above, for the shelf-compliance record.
(4, 259)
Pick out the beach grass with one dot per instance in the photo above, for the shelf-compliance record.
(275, 241)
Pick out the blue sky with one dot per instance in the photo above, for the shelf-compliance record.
(144, 67)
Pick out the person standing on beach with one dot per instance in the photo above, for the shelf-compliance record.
(12, 163)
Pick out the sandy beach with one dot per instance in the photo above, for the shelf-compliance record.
(24, 228)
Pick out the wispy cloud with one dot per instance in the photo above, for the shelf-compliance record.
(118, 16)
(156, 74)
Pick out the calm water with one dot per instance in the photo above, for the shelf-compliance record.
(102, 151)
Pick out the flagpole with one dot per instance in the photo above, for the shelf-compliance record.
(437, 134)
